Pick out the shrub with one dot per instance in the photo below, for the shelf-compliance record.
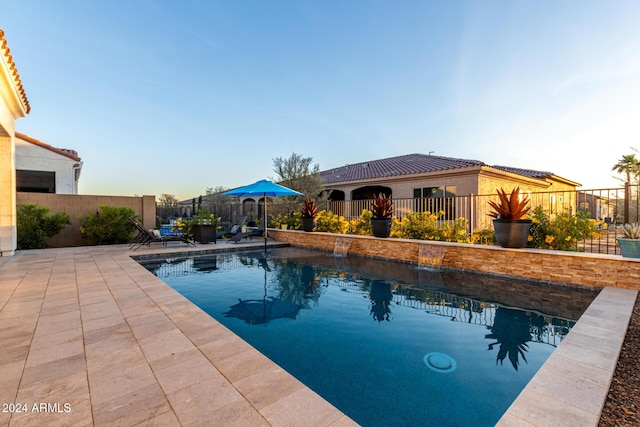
(108, 226)
(362, 225)
(561, 231)
(34, 225)
(484, 236)
(329, 222)
(425, 226)
(416, 225)
(292, 221)
(453, 231)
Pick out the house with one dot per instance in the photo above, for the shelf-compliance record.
(42, 168)
(13, 105)
(425, 182)
(425, 175)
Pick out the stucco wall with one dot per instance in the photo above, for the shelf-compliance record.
(7, 193)
(78, 206)
(594, 270)
(34, 158)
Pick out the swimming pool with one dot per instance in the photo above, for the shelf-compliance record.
(384, 342)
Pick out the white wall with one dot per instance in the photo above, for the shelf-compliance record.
(30, 156)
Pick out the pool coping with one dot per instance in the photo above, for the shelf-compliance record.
(70, 314)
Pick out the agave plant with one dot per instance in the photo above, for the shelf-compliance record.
(309, 208)
(510, 207)
(631, 231)
(382, 206)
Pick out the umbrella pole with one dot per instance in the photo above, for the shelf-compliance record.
(265, 223)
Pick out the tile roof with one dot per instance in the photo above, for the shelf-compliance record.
(525, 172)
(4, 52)
(395, 166)
(72, 154)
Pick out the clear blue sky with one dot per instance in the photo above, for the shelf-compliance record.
(177, 96)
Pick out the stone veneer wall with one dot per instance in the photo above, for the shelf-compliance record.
(594, 270)
(78, 206)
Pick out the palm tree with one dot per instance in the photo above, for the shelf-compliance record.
(511, 329)
(628, 165)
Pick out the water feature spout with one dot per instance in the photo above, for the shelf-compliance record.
(430, 256)
(341, 247)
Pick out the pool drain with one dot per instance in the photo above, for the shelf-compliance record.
(440, 362)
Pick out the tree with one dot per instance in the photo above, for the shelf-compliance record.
(628, 165)
(168, 201)
(214, 196)
(300, 174)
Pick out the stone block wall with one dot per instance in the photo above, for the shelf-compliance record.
(595, 270)
(78, 206)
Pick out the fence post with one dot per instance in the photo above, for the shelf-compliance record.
(627, 198)
(470, 215)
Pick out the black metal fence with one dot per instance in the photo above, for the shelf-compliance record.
(612, 206)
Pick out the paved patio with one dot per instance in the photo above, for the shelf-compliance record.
(98, 340)
(89, 337)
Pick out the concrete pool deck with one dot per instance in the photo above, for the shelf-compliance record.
(90, 337)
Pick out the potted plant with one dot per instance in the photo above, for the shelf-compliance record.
(251, 222)
(511, 230)
(309, 211)
(381, 211)
(630, 243)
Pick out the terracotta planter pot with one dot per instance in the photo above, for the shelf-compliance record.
(512, 233)
(381, 227)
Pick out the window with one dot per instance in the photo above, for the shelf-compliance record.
(35, 181)
(435, 199)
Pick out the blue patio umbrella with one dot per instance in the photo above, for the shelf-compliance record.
(261, 311)
(265, 189)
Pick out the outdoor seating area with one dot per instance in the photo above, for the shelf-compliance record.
(146, 237)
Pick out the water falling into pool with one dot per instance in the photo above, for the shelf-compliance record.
(430, 256)
(341, 247)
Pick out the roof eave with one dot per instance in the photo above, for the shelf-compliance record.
(488, 170)
(47, 146)
(17, 101)
(565, 180)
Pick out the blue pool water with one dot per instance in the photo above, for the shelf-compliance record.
(385, 342)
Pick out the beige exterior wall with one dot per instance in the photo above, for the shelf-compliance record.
(8, 237)
(13, 105)
(78, 206)
(466, 182)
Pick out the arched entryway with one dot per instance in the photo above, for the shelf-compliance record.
(370, 192)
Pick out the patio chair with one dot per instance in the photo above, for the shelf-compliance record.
(256, 232)
(228, 233)
(146, 237)
(232, 231)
